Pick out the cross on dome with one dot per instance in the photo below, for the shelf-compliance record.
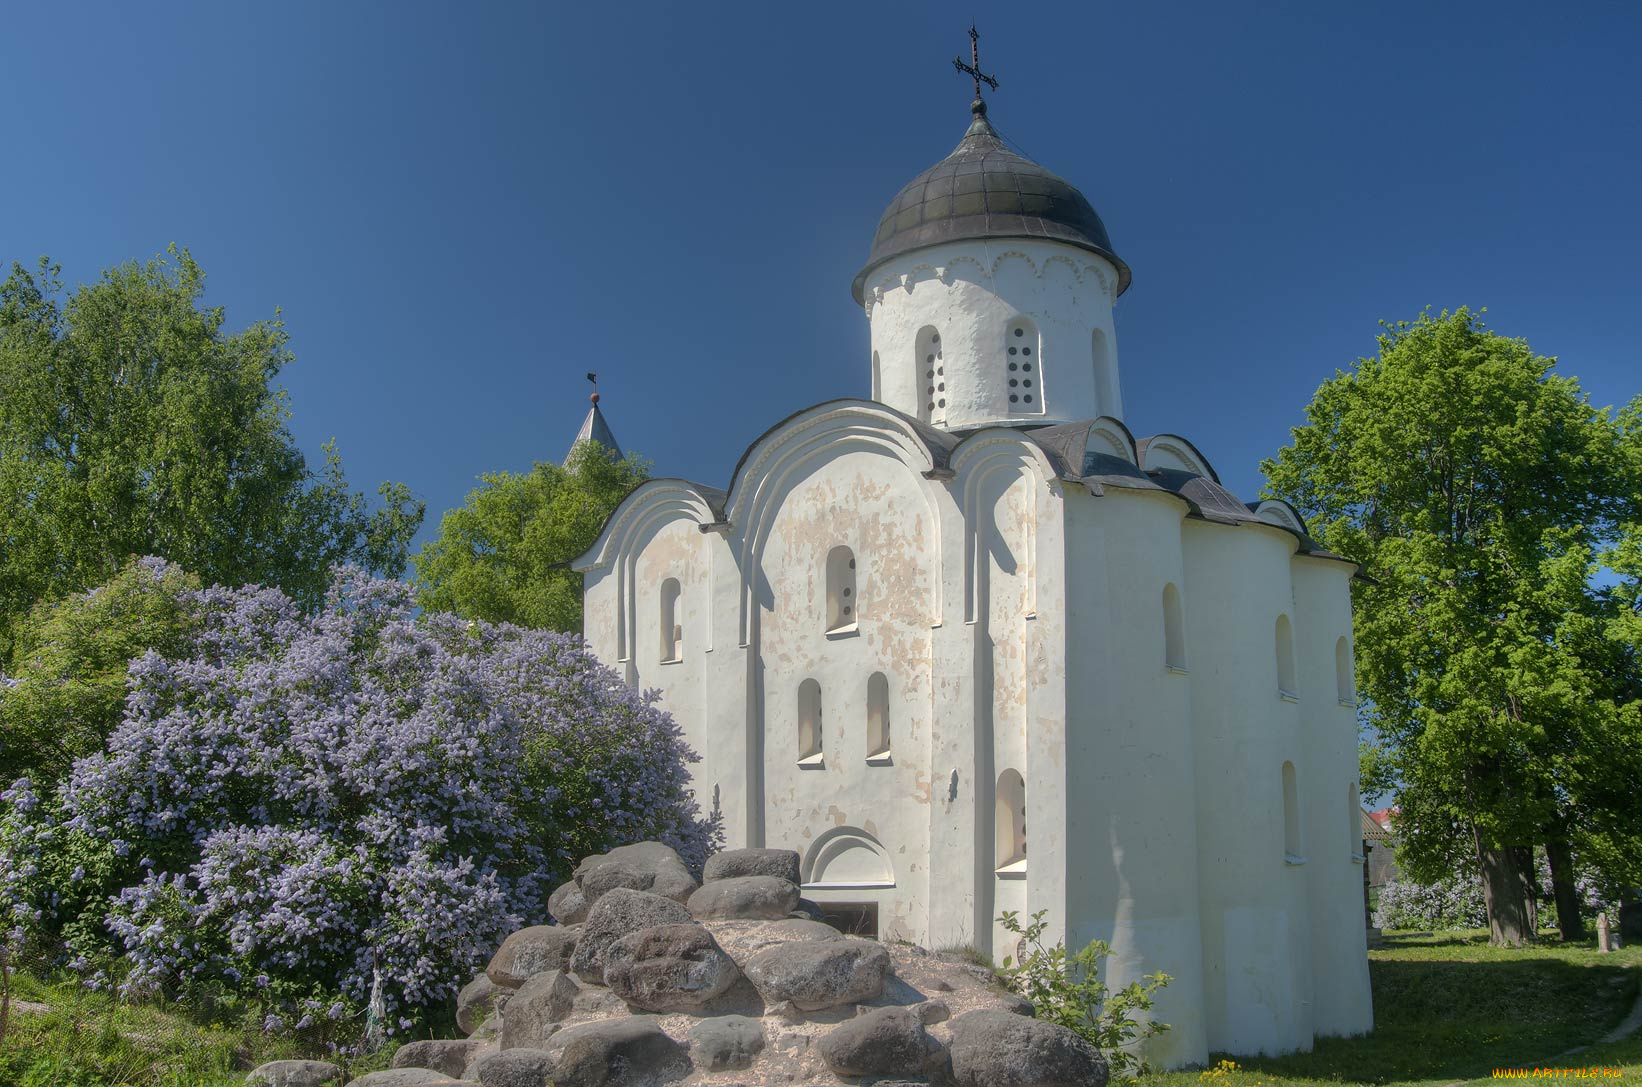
(973, 68)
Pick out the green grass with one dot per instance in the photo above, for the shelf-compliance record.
(89, 1039)
(1448, 1008)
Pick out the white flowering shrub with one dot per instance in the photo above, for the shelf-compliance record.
(302, 801)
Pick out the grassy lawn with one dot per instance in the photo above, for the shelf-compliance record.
(91, 1040)
(1448, 1008)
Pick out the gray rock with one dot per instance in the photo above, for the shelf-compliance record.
(780, 863)
(448, 1057)
(999, 1049)
(535, 1011)
(820, 974)
(930, 1012)
(516, 1068)
(531, 951)
(617, 913)
(490, 1028)
(809, 911)
(668, 968)
(479, 1052)
(567, 904)
(744, 898)
(295, 1074)
(741, 940)
(726, 1043)
(883, 1042)
(644, 866)
(479, 1000)
(632, 1052)
(400, 1077)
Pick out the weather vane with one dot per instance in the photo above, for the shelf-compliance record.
(594, 378)
(973, 68)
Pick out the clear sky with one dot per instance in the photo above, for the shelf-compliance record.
(461, 209)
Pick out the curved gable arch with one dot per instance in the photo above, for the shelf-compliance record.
(977, 461)
(1173, 451)
(848, 857)
(1280, 513)
(788, 452)
(1110, 437)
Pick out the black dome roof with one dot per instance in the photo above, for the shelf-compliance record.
(985, 190)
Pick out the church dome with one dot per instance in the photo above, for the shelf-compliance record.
(985, 190)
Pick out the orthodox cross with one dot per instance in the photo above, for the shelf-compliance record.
(973, 68)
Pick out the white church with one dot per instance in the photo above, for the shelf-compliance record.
(970, 645)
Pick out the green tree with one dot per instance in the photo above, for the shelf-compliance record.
(1482, 492)
(73, 654)
(132, 424)
(502, 555)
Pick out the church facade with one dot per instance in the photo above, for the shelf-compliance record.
(971, 646)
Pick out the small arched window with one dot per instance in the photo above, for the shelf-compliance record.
(1011, 821)
(1023, 367)
(1287, 685)
(672, 631)
(809, 721)
(1174, 634)
(877, 379)
(877, 715)
(1343, 681)
(1106, 397)
(1291, 816)
(1354, 822)
(842, 601)
(931, 367)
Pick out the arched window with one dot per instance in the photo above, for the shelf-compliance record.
(877, 715)
(1354, 822)
(1287, 685)
(877, 379)
(1343, 681)
(932, 366)
(672, 632)
(1291, 816)
(1106, 397)
(1011, 827)
(1023, 367)
(841, 598)
(809, 721)
(1174, 634)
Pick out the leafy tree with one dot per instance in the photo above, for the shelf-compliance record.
(132, 424)
(72, 657)
(502, 556)
(1483, 492)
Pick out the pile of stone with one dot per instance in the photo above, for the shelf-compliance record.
(650, 978)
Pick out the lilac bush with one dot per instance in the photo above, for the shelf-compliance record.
(303, 802)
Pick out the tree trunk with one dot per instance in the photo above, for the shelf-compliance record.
(1509, 924)
(1562, 889)
(1524, 855)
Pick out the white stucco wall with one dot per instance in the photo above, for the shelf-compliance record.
(971, 293)
(1019, 622)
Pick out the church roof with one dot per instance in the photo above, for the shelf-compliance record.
(595, 429)
(985, 190)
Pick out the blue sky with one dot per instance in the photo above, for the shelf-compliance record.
(462, 209)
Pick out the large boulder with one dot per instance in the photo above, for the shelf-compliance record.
(741, 940)
(883, 1042)
(726, 1042)
(744, 898)
(632, 1052)
(401, 1077)
(644, 866)
(819, 974)
(616, 914)
(534, 1013)
(516, 1068)
(732, 863)
(479, 1000)
(1000, 1049)
(295, 1074)
(448, 1057)
(567, 904)
(668, 968)
(531, 951)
